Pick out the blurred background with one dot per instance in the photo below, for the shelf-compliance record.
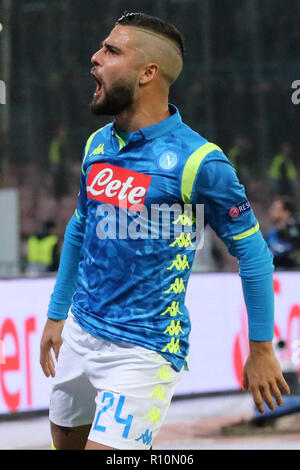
(242, 57)
(235, 89)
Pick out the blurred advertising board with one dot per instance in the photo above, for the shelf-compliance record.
(219, 336)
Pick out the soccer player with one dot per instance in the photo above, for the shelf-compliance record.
(117, 321)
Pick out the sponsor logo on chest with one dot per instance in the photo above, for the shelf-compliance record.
(118, 186)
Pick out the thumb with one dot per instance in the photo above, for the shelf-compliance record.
(56, 347)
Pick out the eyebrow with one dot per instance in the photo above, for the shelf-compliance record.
(110, 46)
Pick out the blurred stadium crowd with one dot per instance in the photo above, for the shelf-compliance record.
(235, 90)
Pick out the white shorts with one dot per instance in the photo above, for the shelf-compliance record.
(124, 390)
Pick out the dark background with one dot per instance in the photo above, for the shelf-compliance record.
(241, 59)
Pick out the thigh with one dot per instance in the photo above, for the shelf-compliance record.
(72, 400)
(69, 438)
(135, 387)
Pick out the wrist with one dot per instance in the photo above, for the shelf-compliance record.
(56, 318)
(257, 347)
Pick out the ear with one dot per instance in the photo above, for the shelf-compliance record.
(149, 73)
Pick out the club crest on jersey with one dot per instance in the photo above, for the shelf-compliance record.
(168, 160)
(118, 186)
(239, 209)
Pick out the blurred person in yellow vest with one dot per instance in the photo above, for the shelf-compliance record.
(282, 171)
(43, 250)
(58, 162)
(240, 156)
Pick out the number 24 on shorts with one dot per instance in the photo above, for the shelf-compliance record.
(118, 419)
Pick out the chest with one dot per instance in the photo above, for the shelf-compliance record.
(135, 178)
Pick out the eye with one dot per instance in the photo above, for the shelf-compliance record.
(111, 51)
(107, 49)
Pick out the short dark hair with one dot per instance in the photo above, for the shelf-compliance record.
(154, 24)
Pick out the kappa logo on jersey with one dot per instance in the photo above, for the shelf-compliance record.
(98, 150)
(239, 209)
(168, 160)
(118, 186)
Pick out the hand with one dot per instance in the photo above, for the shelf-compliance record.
(263, 377)
(51, 339)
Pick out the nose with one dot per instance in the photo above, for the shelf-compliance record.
(96, 58)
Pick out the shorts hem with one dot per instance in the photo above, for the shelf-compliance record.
(118, 446)
(65, 424)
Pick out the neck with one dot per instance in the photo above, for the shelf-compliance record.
(143, 113)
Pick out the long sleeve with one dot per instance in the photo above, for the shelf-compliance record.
(256, 271)
(66, 280)
(228, 212)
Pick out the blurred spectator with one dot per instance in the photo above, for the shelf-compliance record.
(239, 155)
(58, 163)
(283, 238)
(282, 171)
(43, 250)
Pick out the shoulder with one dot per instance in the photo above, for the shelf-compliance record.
(205, 163)
(190, 139)
(95, 143)
(183, 141)
(98, 135)
(198, 148)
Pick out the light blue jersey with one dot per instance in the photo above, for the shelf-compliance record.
(131, 286)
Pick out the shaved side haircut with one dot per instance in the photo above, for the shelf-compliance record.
(156, 25)
(166, 45)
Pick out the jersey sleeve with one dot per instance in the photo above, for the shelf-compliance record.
(81, 210)
(66, 280)
(229, 213)
(226, 207)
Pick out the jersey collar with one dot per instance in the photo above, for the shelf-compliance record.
(152, 132)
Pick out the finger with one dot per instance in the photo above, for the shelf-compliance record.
(276, 394)
(266, 394)
(258, 399)
(245, 381)
(51, 364)
(283, 386)
(45, 368)
(44, 360)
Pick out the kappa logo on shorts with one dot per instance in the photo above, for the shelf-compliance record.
(239, 209)
(146, 437)
(118, 186)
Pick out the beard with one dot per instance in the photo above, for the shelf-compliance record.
(119, 97)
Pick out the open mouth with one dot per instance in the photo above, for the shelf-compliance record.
(99, 86)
